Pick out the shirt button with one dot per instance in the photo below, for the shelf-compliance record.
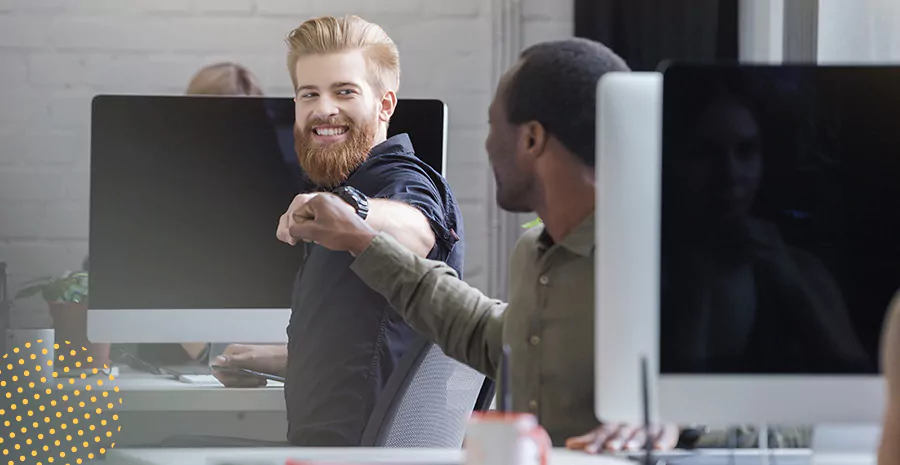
(544, 280)
(535, 340)
(533, 405)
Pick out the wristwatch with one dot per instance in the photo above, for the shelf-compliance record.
(355, 198)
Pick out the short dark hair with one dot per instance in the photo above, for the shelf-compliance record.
(556, 85)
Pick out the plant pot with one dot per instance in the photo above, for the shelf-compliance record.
(32, 341)
(70, 324)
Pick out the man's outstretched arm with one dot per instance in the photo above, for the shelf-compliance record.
(465, 323)
(402, 221)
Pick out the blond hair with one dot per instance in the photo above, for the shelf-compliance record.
(224, 79)
(328, 34)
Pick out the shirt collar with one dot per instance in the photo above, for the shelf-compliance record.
(580, 241)
(399, 143)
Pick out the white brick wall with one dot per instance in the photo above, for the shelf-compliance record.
(860, 32)
(56, 54)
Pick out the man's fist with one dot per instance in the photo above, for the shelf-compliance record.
(287, 219)
(330, 222)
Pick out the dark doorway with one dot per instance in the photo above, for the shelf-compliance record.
(649, 32)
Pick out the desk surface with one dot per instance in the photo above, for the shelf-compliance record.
(383, 456)
(387, 456)
(147, 392)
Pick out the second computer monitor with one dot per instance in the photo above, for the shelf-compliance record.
(776, 246)
(186, 193)
(780, 241)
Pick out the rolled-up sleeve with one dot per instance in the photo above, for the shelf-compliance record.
(465, 323)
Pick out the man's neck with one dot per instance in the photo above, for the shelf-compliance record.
(380, 136)
(567, 203)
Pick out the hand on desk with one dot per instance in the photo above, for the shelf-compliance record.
(615, 438)
(271, 359)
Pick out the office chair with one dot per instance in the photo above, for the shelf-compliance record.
(427, 401)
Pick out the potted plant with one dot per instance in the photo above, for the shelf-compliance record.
(70, 288)
(67, 297)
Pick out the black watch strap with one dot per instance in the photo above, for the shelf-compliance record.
(355, 199)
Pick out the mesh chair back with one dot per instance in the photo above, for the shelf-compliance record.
(426, 403)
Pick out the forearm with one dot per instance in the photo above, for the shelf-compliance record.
(271, 359)
(465, 323)
(279, 359)
(404, 223)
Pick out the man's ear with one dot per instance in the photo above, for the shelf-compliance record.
(387, 107)
(535, 138)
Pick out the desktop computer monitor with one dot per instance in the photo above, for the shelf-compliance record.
(778, 245)
(627, 238)
(186, 193)
(780, 241)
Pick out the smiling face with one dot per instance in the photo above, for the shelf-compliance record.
(339, 115)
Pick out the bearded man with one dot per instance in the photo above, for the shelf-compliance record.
(344, 339)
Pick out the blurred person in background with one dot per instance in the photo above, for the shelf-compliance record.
(224, 78)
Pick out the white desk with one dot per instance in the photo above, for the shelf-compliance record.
(147, 392)
(382, 456)
(771, 457)
(442, 457)
(156, 407)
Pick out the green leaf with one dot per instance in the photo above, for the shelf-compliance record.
(71, 287)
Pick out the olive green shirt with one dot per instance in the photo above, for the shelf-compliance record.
(548, 322)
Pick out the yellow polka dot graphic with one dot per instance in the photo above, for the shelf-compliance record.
(54, 416)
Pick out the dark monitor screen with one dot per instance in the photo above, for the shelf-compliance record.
(186, 193)
(780, 245)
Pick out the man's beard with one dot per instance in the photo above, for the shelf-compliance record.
(329, 165)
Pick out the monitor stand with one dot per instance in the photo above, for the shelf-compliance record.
(830, 442)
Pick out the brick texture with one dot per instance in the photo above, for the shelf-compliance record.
(55, 55)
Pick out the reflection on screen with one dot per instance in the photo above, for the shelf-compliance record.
(781, 218)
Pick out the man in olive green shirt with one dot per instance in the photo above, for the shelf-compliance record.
(541, 148)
